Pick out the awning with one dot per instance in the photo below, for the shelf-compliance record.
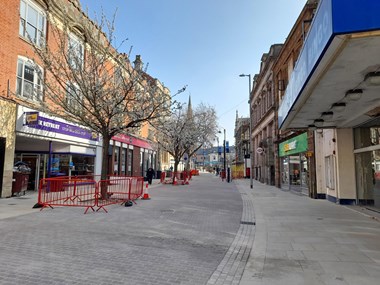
(132, 141)
(341, 49)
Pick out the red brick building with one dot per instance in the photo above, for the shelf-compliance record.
(60, 146)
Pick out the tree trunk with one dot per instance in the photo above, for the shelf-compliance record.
(104, 172)
(176, 162)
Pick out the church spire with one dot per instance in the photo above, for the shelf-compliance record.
(189, 109)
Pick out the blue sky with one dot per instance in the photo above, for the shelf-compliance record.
(204, 44)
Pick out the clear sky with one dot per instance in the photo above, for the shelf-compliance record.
(204, 44)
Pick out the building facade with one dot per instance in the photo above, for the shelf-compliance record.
(293, 148)
(263, 109)
(49, 144)
(242, 148)
(334, 92)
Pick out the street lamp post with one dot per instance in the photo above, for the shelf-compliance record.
(218, 160)
(250, 128)
(224, 153)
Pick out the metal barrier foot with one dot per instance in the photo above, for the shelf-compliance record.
(128, 203)
(45, 206)
(92, 208)
(102, 207)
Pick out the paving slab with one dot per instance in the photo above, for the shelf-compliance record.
(180, 236)
(299, 240)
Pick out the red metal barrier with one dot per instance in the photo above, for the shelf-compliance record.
(73, 192)
(136, 188)
(181, 178)
(223, 175)
(167, 177)
(83, 192)
(162, 177)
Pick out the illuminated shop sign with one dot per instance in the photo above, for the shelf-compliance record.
(290, 146)
(36, 121)
(294, 145)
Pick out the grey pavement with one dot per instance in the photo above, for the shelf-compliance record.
(209, 232)
(180, 236)
(299, 240)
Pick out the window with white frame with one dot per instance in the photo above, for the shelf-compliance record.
(32, 22)
(75, 52)
(330, 171)
(73, 97)
(118, 75)
(29, 80)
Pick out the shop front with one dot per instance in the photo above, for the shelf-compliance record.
(294, 164)
(334, 91)
(53, 147)
(131, 156)
(367, 164)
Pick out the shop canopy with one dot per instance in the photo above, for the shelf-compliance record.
(336, 81)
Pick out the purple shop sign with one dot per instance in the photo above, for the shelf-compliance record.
(36, 121)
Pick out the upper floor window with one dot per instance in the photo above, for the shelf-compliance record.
(29, 84)
(118, 75)
(32, 22)
(270, 97)
(74, 98)
(75, 52)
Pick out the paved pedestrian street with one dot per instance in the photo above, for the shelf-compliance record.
(180, 236)
(209, 232)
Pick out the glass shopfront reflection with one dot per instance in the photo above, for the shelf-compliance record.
(295, 174)
(367, 163)
(294, 164)
(368, 178)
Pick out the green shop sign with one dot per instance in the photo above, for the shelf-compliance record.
(294, 145)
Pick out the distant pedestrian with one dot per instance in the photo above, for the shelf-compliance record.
(150, 174)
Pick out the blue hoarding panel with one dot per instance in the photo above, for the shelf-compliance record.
(352, 16)
(315, 44)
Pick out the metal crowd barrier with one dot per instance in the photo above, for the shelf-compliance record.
(86, 191)
(119, 190)
(181, 177)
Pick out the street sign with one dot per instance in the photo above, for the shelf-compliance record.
(259, 150)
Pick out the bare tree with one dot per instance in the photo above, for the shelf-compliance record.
(184, 132)
(87, 81)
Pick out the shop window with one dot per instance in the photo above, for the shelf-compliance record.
(60, 165)
(304, 171)
(142, 163)
(29, 84)
(367, 177)
(82, 165)
(294, 170)
(123, 161)
(129, 162)
(365, 137)
(285, 172)
(116, 161)
(330, 171)
(32, 22)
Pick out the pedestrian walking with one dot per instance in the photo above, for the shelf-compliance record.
(150, 174)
